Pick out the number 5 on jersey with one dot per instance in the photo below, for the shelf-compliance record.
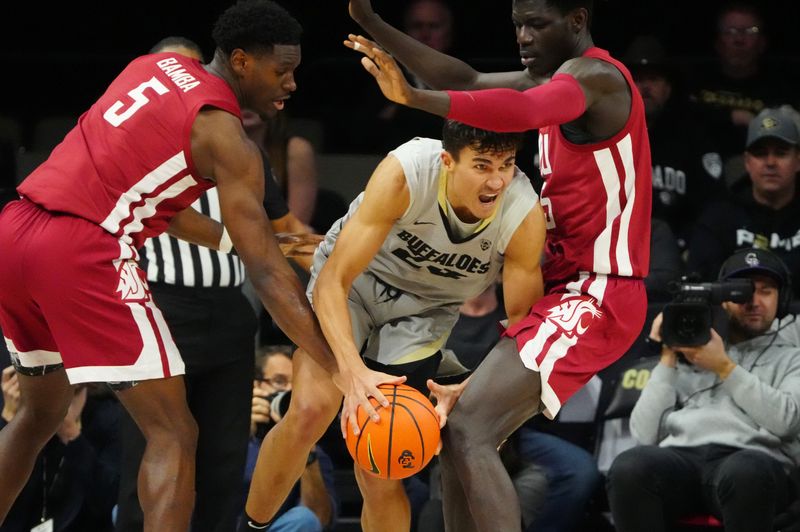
(113, 114)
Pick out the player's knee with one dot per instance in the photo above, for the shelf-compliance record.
(310, 418)
(461, 432)
(177, 432)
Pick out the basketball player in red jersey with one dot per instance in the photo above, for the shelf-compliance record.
(595, 162)
(75, 307)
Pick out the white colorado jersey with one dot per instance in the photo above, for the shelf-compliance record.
(423, 253)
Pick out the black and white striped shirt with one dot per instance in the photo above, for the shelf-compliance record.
(169, 260)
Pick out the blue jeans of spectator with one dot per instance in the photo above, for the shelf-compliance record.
(572, 478)
(297, 519)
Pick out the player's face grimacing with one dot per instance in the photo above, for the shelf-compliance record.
(477, 181)
(273, 79)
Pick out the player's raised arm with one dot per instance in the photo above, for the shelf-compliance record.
(235, 163)
(386, 198)
(435, 68)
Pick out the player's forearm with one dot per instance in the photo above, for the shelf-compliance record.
(330, 304)
(196, 228)
(436, 69)
(506, 110)
(282, 295)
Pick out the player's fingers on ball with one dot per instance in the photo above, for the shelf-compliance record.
(378, 395)
(353, 422)
(369, 409)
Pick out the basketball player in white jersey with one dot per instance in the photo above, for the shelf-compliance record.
(436, 224)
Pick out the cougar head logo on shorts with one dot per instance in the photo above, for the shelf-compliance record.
(132, 285)
(406, 459)
(570, 315)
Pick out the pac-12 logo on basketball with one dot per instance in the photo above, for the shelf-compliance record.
(406, 459)
(570, 314)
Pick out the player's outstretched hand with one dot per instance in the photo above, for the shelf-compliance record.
(298, 244)
(383, 68)
(361, 384)
(446, 396)
(360, 10)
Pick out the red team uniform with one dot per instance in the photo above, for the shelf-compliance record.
(71, 291)
(596, 198)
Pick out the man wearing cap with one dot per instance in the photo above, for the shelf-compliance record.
(763, 210)
(687, 167)
(719, 429)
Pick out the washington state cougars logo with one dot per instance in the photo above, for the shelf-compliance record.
(132, 286)
(574, 315)
(406, 459)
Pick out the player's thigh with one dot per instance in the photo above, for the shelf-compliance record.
(501, 394)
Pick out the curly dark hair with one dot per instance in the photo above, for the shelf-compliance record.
(565, 6)
(457, 136)
(255, 26)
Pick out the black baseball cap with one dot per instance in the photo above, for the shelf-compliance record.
(750, 261)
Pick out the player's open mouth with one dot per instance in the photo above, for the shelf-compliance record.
(487, 199)
(279, 104)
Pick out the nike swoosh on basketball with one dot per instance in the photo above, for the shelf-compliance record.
(372, 464)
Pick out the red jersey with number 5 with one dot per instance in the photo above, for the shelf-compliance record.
(127, 165)
(597, 197)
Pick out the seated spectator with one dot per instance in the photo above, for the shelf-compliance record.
(74, 483)
(687, 168)
(719, 423)
(311, 506)
(762, 212)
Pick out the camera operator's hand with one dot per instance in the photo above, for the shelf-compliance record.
(669, 357)
(710, 357)
(259, 412)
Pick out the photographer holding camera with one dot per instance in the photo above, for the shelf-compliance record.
(311, 506)
(721, 430)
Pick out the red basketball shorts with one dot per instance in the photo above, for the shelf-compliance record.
(72, 293)
(576, 330)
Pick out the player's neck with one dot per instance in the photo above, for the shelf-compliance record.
(219, 67)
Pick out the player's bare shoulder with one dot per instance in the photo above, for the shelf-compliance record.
(595, 75)
(219, 141)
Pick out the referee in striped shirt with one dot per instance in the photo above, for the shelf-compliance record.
(214, 326)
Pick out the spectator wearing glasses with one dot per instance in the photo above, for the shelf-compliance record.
(740, 84)
(311, 505)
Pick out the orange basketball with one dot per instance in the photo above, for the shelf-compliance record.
(403, 441)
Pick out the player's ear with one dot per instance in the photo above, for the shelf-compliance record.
(578, 19)
(238, 60)
(447, 160)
